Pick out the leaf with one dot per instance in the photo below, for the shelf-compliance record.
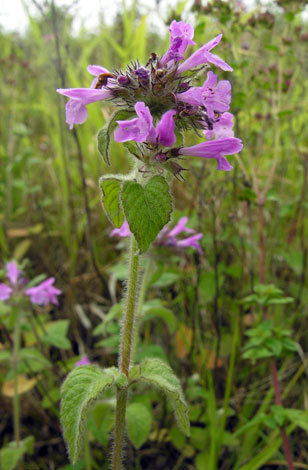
(10, 455)
(111, 189)
(103, 137)
(183, 339)
(24, 385)
(33, 355)
(159, 374)
(154, 309)
(56, 334)
(138, 423)
(147, 209)
(5, 356)
(82, 387)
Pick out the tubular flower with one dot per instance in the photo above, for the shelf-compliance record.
(167, 236)
(222, 128)
(41, 294)
(181, 35)
(203, 56)
(141, 129)
(215, 98)
(84, 361)
(215, 149)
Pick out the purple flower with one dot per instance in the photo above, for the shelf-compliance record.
(223, 127)
(123, 231)
(44, 293)
(215, 98)
(141, 129)
(167, 236)
(181, 35)
(76, 107)
(84, 361)
(203, 56)
(5, 291)
(215, 149)
(12, 272)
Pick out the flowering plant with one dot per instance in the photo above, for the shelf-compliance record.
(157, 105)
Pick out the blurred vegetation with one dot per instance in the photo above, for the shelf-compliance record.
(230, 313)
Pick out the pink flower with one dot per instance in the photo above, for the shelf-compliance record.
(215, 98)
(223, 127)
(203, 56)
(123, 231)
(5, 291)
(84, 361)
(141, 129)
(76, 107)
(44, 293)
(12, 272)
(181, 35)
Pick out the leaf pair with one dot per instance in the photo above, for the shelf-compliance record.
(87, 384)
(146, 208)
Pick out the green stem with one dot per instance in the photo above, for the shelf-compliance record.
(15, 360)
(125, 353)
(142, 295)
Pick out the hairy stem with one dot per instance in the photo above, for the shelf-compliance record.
(16, 403)
(125, 353)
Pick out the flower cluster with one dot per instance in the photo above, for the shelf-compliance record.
(42, 294)
(167, 236)
(166, 103)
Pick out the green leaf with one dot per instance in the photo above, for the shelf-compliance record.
(147, 209)
(103, 137)
(35, 358)
(138, 423)
(158, 373)
(111, 189)
(56, 335)
(133, 149)
(10, 455)
(289, 344)
(154, 309)
(274, 345)
(81, 389)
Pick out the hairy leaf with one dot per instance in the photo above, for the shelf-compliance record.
(147, 209)
(111, 189)
(81, 389)
(138, 423)
(158, 373)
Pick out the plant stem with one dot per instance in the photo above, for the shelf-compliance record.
(142, 295)
(285, 440)
(15, 359)
(125, 353)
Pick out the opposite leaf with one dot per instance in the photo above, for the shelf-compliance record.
(138, 423)
(111, 189)
(83, 386)
(158, 373)
(147, 209)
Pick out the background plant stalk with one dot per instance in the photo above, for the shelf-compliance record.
(127, 341)
(15, 360)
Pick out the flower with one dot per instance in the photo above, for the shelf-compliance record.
(12, 272)
(215, 149)
(141, 129)
(221, 128)
(213, 98)
(123, 231)
(203, 56)
(44, 293)
(5, 291)
(84, 361)
(167, 236)
(76, 107)
(181, 35)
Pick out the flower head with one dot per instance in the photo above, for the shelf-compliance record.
(44, 293)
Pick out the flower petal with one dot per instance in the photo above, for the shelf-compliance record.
(12, 272)
(165, 129)
(5, 292)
